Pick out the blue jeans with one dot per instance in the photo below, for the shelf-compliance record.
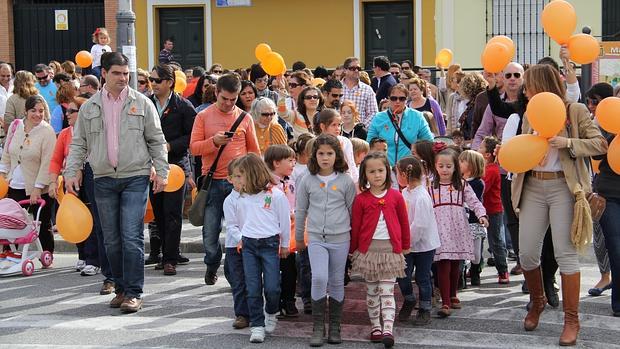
(497, 242)
(89, 187)
(121, 203)
(421, 262)
(611, 230)
(233, 271)
(261, 265)
(305, 275)
(214, 213)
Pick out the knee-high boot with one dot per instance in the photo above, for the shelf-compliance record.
(537, 298)
(318, 322)
(335, 317)
(570, 301)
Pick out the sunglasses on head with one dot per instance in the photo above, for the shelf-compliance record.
(354, 68)
(71, 111)
(308, 97)
(510, 75)
(593, 101)
(268, 114)
(396, 98)
(156, 80)
(335, 95)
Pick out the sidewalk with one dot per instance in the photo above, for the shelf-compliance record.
(191, 240)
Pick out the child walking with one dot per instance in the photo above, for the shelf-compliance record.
(471, 165)
(233, 262)
(265, 239)
(280, 160)
(101, 40)
(424, 240)
(329, 121)
(449, 194)
(493, 204)
(324, 200)
(379, 237)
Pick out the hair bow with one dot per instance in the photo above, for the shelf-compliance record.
(439, 146)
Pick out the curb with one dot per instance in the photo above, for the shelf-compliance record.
(61, 246)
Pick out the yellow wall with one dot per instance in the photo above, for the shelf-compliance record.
(317, 31)
(428, 33)
(142, 49)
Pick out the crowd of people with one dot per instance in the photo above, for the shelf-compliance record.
(316, 175)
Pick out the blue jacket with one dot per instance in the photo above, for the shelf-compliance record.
(413, 126)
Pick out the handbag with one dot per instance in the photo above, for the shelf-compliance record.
(197, 210)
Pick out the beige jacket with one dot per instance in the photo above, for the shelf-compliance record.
(141, 141)
(586, 141)
(33, 153)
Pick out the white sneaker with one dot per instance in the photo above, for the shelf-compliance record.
(90, 270)
(270, 322)
(79, 266)
(257, 334)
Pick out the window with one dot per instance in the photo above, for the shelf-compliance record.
(520, 21)
(611, 20)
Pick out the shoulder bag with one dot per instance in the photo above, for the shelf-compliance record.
(197, 210)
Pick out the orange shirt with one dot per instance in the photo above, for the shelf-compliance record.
(61, 150)
(207, 123)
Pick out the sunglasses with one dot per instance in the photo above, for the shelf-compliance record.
(156, 80)
(293, 85)
(354, 68)
(593, 101)
(43, 78)
(510, 75)
(395, 73)
(311, 97)
(395, 98)
(268, 114)
(142, 82)
(217, 72)
(265, 79)
(71, 111)
(335, 95)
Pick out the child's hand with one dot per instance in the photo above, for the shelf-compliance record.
(284, 252)
(484, 221)
(239, 246)
(407, 251)
(301, 245)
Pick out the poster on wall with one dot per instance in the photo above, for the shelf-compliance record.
(232, 3)
(607, 67)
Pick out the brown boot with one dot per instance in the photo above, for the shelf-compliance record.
(570, 301)
(537, 298)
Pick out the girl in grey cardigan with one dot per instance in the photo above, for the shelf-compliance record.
(324, 200)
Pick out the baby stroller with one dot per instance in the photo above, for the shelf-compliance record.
(17, 227)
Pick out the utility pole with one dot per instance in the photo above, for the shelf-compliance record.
(126, 37)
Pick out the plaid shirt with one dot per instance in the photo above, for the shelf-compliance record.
(364, 98)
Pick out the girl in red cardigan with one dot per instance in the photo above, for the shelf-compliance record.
(379, 238)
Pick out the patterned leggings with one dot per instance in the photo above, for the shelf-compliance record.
(380, 301)
(600, 250)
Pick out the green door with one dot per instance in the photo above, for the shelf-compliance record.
(186, 28)
(388, 31)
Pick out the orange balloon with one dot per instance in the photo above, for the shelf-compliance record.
(444, 57)
(60, 191)
(583, 48)
(522, 153)
(613, 155)
(83, 59)
(608, 114)
(595, 166)
(273, 64)
(149, 216)
(74, 220)
(559, 20)
(261, 51)
(503, 39)
(4, 187)
(546, 114)
(495, 57)
(176, 179)
(180, 85)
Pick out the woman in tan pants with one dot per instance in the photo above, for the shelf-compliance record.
(544, 196)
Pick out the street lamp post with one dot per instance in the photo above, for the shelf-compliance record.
(126, 37)
(586, 69)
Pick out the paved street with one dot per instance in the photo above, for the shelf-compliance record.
(58, 308)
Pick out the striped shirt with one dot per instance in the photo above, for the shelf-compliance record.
(364, 98)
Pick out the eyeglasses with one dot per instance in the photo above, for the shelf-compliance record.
(142, 82)
(156, 80)
(268, 114)
(354, 68)
(335, 95)
(293, 85)
(510, 75)
(593, 101)
(396, 98)
(71, 111)
(308, 97)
